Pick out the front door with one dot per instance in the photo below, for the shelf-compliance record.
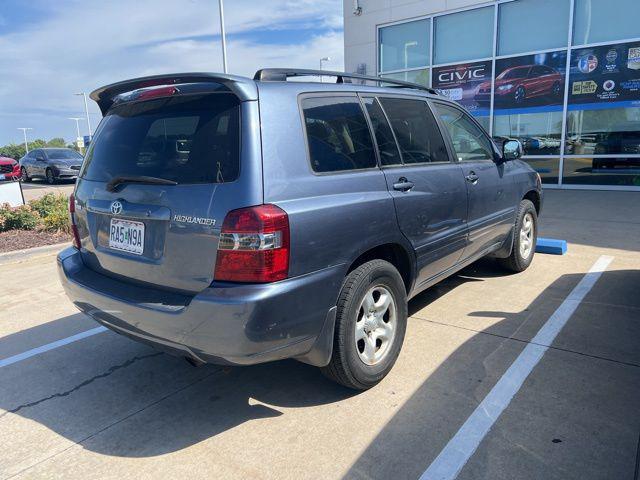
(491, 188)
(428, 189)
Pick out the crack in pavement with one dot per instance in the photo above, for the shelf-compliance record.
(111, 370)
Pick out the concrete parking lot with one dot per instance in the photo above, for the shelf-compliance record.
(38, 188)
(106, 407)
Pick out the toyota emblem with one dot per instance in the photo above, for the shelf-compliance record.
(116, 207)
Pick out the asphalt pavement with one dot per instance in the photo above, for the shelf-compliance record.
(527, 376)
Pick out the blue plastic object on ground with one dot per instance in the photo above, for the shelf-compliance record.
(552, 246)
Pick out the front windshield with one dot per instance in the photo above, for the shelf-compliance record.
(63, 154)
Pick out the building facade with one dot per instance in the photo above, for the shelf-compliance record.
(562, 76)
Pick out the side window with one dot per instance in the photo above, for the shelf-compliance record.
(469, 141)
(338, 134)
(417, 132)
(387, 147)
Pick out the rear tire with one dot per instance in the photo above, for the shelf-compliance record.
(368, 337)
(525, 233)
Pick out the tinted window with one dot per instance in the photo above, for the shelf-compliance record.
(387, 147)
(469, 141)
(338, 135)
(63, 154)
(187, 139)
(416, 130)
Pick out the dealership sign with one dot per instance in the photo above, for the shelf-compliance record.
(604, 75)
(462, 82)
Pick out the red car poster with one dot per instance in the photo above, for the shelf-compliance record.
(530, 83)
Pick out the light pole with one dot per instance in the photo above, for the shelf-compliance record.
(323, 59)
(223, 36)
(77, 119)
(24, 131)
(86, 111)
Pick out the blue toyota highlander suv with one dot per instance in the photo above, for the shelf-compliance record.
(237, 221)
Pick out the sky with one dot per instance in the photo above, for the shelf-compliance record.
(51, 49)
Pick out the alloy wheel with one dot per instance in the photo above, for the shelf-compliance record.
(527, 231)
(376, 325)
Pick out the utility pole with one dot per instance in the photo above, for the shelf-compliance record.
(24, 131)
(86, 111)
(223, 36)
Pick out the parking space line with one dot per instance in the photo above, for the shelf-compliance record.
(464, 443)
(50, 346)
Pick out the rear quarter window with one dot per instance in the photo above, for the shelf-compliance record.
(337, 134)
(188, 139)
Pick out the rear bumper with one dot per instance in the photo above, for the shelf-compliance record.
(225, 324)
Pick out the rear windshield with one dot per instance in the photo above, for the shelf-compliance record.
(187, 139)
(63, 155)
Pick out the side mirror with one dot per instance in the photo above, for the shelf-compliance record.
(511, 150)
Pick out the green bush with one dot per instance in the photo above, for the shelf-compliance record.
(50, 203)
(23, 218)
(57, 221)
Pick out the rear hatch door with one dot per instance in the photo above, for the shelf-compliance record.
(157, 182)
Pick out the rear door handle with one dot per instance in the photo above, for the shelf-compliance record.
(403, 185)
(472, 177)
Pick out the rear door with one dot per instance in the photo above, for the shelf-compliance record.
(166, 235)
(491, 190)
(427, 187)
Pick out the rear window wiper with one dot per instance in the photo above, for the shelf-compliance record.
(119, 180)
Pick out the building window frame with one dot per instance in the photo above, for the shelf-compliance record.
(569, 48)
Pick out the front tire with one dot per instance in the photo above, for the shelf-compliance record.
(371, 321)
(24, 176)
(525, 238)
(51, 179)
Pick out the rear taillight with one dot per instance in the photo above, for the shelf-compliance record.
(72, 217)
(254, 245)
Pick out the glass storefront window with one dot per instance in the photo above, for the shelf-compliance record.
(404, 46)
(529, 25)
(603, 20)
(464, 35)
(414, 76)
(539, 133)
(618, 171)
(603, 131)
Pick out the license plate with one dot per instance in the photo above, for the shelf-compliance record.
(127, 236)
(2, 177)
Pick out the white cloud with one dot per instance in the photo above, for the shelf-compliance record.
(81, 46)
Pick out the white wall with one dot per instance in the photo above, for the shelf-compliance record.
(360, 30)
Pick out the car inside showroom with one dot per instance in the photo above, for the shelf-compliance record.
(561, 76)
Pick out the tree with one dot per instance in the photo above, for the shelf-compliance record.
(12, 151)
(57, 143)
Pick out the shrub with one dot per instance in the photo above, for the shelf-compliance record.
(50, 203)
(23, 218)
(57, 221)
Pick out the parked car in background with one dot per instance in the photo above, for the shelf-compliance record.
(50, 164)
(238, 221)
(516, 85)
(9, 169)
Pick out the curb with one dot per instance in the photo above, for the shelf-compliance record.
(21, 255)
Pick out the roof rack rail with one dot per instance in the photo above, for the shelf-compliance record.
(282, 74)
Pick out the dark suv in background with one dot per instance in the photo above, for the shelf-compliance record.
(238, 221)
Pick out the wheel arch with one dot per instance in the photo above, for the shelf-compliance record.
(394, 253)
(534, 197)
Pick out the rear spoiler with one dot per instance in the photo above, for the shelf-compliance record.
(243, 88)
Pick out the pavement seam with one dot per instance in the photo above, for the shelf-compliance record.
(111, 370)
(126, 417)
(551, 347)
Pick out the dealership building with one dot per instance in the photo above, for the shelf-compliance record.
(562, 76)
